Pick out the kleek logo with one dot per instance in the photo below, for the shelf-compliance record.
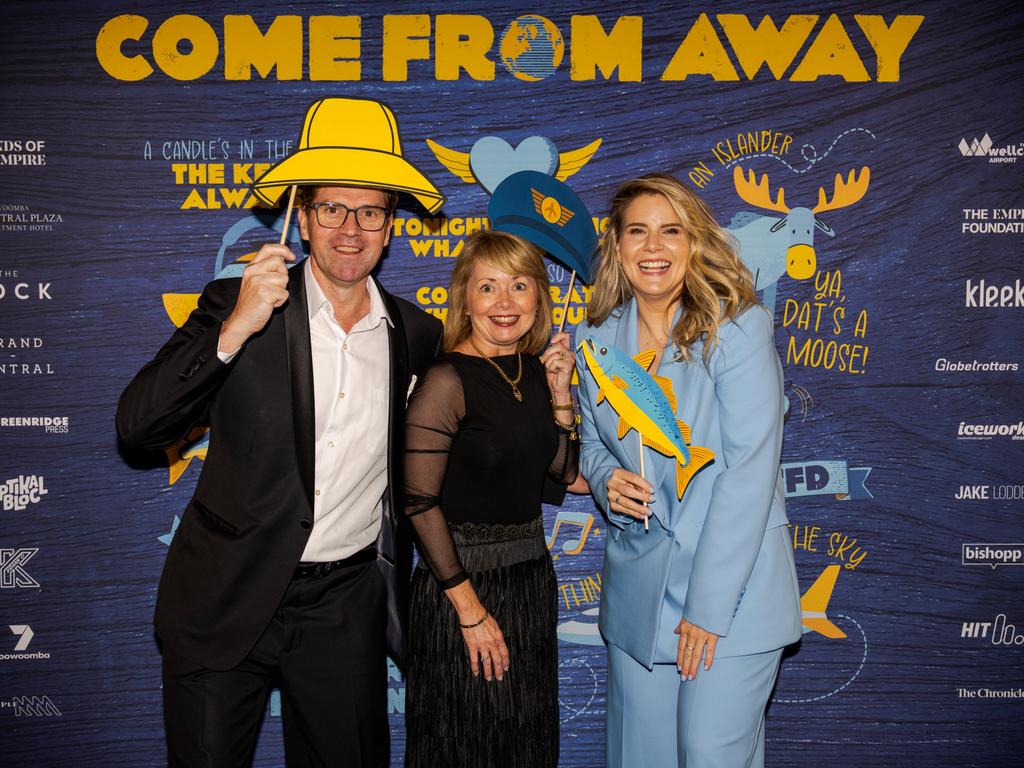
(25, 635)
(31, 706)
(21, 491)
(997, 632)
(984, 148)
(988, 431)
(12, 568)
(992, 554)
(944, 365)
(980, 294)
(989, 492)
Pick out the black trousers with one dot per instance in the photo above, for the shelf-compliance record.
(325, 650)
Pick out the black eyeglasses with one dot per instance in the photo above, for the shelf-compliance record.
(370, 218)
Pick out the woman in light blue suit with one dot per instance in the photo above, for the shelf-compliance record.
(698, 604)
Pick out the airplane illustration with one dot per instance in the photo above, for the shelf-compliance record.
(815, 601)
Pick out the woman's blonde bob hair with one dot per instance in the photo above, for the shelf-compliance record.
(717, 286)
(513, 256)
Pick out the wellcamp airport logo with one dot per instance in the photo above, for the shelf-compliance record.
(992, 554)
(985, 148)
(21, 652)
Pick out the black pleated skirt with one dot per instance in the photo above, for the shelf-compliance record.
(456, 720)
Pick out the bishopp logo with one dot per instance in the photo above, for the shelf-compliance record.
(12, 568)
(985, 148)
(31, 706)
(992, 554)
(21, 491)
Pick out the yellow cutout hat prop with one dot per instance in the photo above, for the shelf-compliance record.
(349, 143)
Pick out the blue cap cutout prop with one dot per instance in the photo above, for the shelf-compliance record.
(547, 213)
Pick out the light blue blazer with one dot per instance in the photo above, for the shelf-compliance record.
(722, 556)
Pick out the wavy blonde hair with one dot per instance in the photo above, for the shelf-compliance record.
(513, 256)
(717, 286)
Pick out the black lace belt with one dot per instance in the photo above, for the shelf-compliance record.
(483, 546)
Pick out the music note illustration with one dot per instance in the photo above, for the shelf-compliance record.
(572, 546)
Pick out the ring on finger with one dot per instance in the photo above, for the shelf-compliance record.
(690, 647)
(616, 499)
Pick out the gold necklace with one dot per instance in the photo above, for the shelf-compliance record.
(511, 382)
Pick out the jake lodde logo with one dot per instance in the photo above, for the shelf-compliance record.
(992, 555)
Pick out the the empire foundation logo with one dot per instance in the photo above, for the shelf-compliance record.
(19, 492)
(22, 152)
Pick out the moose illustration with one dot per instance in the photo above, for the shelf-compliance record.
(772, 247)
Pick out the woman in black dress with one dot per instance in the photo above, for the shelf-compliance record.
(491, 434)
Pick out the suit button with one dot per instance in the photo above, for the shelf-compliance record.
(306, 524)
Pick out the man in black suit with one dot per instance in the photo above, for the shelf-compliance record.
(288, 568)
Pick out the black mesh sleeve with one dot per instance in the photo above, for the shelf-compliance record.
(432, 420)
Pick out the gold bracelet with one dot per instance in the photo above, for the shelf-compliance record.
(570, 407)
(476, 623)
(570, 428)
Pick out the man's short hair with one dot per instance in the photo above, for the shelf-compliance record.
(306, 192)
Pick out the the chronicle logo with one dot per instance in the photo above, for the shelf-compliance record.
(21, 491)
(997, 632)
(981, 294)
(988, 431)
(992, 554)
(12, 568)
(30, 706)
(24, 634)
(943, 365)
(985, 148)
(989, 492)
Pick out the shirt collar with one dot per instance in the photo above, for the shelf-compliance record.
(316, 300)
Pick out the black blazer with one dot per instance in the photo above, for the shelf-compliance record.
(250, 517)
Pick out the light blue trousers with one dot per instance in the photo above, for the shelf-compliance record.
(716, 720)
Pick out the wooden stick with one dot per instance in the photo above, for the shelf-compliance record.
(644, 476)
(565, 306)
(288, 215)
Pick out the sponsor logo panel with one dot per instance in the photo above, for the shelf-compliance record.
(992, 554)
(20, 492)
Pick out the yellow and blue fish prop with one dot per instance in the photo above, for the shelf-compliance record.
(646, 403)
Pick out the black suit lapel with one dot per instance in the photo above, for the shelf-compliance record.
(300, 368)
(399, 376)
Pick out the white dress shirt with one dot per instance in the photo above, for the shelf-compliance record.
(351, 387)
